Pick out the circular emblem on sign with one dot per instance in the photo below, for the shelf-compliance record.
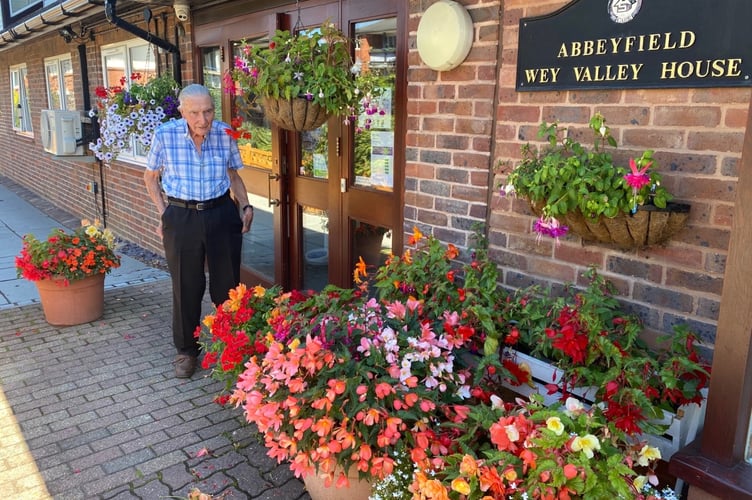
(623, 11)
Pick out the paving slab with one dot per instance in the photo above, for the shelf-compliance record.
(94, 411)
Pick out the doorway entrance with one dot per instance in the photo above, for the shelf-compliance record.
(326, 197)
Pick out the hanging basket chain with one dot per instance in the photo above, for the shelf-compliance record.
(299, 23)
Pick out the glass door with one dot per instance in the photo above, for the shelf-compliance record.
(345, 181)
(263, 248)
(261, 178)
(322, 198)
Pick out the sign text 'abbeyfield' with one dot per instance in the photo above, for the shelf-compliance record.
(600, 44)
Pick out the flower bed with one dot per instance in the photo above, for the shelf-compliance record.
(682, 426)
(339, 379)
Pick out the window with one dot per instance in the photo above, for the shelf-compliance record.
(18, 6)
(120, 62)
(19, 88)
(59, 73)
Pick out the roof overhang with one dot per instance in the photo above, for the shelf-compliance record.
(49, 20)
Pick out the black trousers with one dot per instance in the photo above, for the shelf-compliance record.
(193, 238)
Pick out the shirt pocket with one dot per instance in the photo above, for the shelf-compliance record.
(216, 165)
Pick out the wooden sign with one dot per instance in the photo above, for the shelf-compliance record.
(613, 44)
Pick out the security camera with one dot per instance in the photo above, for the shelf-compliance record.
(182, 10)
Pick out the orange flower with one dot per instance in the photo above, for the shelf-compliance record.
(451, 252)
(415, 237)
(360, 270)
(468, 466)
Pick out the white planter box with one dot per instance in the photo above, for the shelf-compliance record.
(683, 426)
(543, 373)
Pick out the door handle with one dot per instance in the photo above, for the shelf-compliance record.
(273, 202)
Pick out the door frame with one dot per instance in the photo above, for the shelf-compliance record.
(288, 247)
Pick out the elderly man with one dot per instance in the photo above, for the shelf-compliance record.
(200, 225)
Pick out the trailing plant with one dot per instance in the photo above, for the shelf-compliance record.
(134, 109)
(315, 66)
(562, 176)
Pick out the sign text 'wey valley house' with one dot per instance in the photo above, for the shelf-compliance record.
(609, 44)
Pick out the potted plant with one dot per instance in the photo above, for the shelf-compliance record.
(583, 190)
(303, 78)
(68, 269)
(524, 450)
(134, 109)
(347, 382)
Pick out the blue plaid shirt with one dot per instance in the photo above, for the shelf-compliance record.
(186, 173)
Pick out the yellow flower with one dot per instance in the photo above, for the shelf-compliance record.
(91, 231)
(294, 344)
(259, 291)
(208, 320)
(639, 482)
(460, 486)
(648, 454)
(554, 424)
(510, 474)
(586, 444)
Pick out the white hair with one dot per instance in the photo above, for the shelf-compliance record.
(194, 90)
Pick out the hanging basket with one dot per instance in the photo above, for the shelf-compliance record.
(296, 114)
(649, 226)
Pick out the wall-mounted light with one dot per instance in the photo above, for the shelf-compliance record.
(445, 35)
(84, 33)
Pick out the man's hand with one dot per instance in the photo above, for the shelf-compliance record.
(247, 219)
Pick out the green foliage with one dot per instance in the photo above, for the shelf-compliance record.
(587, 335)
(568, 452)
(315, 65)
(563, 175)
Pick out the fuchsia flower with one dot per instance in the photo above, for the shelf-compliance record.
(638, 179)
(550, 226)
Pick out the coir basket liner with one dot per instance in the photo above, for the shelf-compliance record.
(296, 114)
(649, 226)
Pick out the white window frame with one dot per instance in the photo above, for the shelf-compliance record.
(124, 50)
(60, 98)
(19, 100)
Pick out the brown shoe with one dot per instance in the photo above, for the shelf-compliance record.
(185, 365)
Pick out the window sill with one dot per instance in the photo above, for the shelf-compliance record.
(21, 133)
(690, 465)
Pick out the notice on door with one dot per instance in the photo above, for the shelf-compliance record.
(382, 158)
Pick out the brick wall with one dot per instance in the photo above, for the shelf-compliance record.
(129, 211)
(696, 134)
(461, 125)
(450, 129)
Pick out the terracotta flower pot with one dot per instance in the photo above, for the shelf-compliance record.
(295, 114)
(82, 301)
(358, 490)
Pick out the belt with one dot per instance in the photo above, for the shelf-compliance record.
(198, 205)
